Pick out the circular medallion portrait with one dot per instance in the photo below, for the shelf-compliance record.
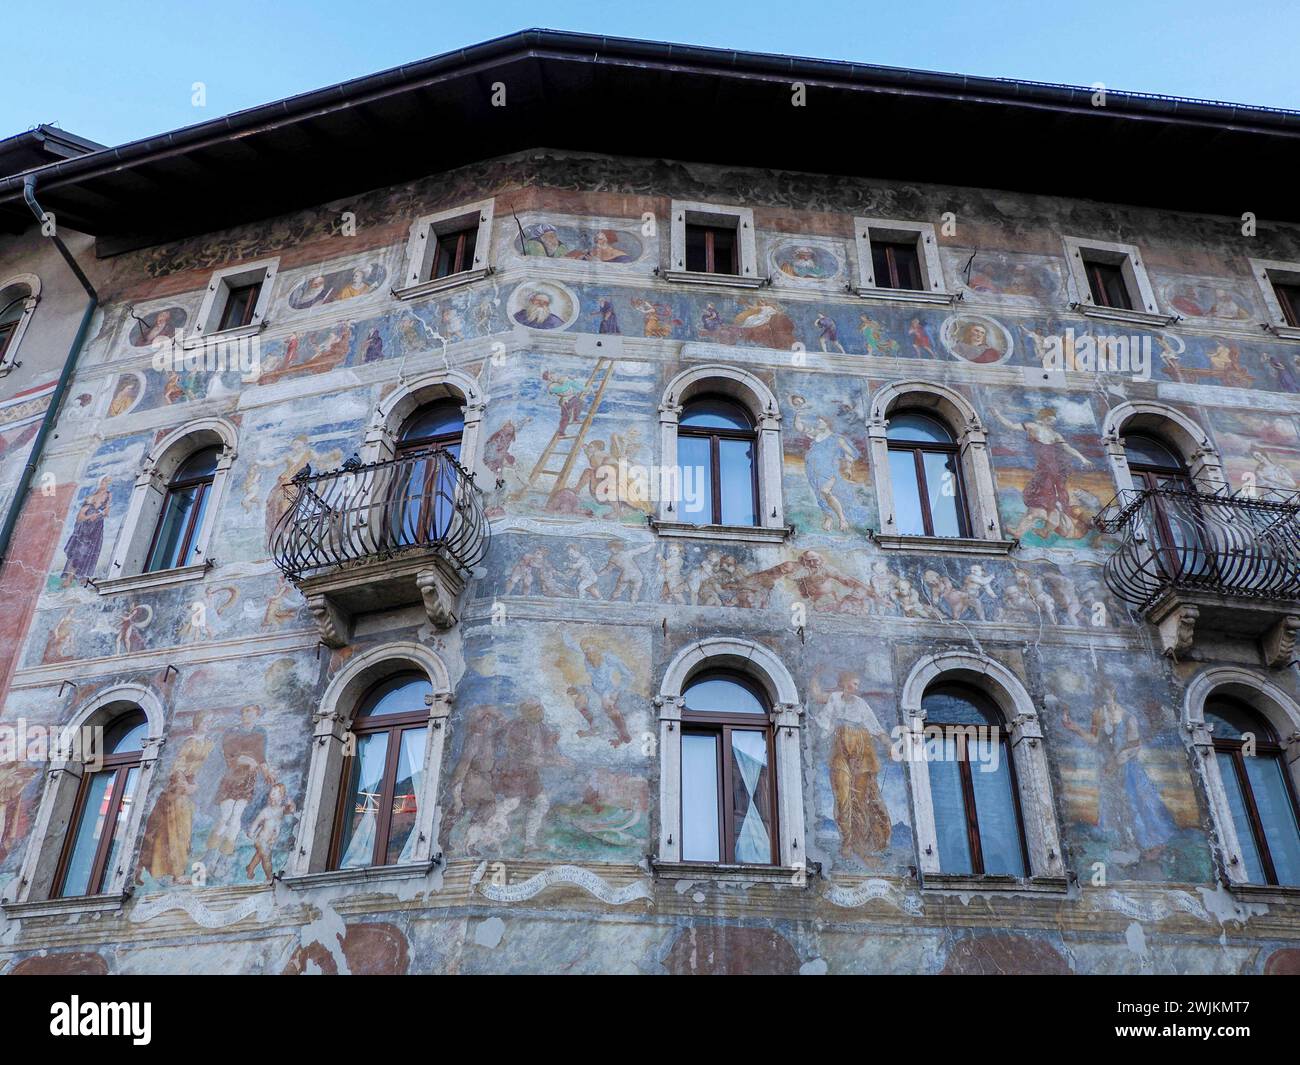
(975, 338)
(543, 305)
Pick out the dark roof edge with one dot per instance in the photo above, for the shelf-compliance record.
(555, 43)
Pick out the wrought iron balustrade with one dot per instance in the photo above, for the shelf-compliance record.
(1192, 539)
(423, 501)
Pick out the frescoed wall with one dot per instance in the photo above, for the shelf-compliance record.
(550, 780)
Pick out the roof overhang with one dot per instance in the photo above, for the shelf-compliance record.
(625, 97)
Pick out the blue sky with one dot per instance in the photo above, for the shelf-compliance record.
(118, 71)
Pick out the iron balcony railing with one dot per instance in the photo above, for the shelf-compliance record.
(365, 512)
(1195, 538)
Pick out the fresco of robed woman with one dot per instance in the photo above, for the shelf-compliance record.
(87, 538)
(166, 851)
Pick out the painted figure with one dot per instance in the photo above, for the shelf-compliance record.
(1046, 495)
(87, 537)
(244, 752)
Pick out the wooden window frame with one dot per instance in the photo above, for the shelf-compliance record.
(463, 238)
(721, 725)
(121, 765)
(890, 250)
(1266, 745)
(715, 436)
(254, 288)
(710, 252)
(405, 448)
(971, 811)
(1097, 272)
(7, 333)
(394, 725)
(205, 484)
(1288, 299)
(918, 448)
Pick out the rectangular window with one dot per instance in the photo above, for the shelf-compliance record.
(1288, 297)
(701, 793)
(7, 332)
(454, 252)
(712, 250)
(1107, 284)
(241, 301)
(896, 264)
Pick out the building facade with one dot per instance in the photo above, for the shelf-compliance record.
(583, 561)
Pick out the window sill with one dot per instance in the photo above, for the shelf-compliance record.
(963, 882)
(756, 534)
(943, 545)
(441, 284)
(1275, 893)
(370, 874)
(159, 579)
(795, 876)
(1119, 314)
(1282, 332)
(197, 340)
(694, 277)
(5, 367)
(906, 295)
(76, 904)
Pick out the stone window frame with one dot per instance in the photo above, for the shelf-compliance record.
(145, 506)
(1266, 272)
(380, 444)
(1129, 258)
(960, 416)
(1168, 424)
(760, 402)
(35, 882)
(32, 283)
(332, 721)
(420, 249)
(762, 665)
(934, 287)
(1282, 712)
(214, 300)
(1028, 751)
(696, 212)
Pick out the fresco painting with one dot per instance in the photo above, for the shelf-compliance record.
(576, 242)
(337, 286)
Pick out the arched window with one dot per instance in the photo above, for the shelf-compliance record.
(103, 810)
(730, 776)
(977, 766)
(379, 801)
(728, 773)
(925, 471)
(1154, 464)
(972, 783)
(13, 305)
(425, 485)
(372, 785)
(189, 494)
(1259, 794)
(931, 471)
(716, 459)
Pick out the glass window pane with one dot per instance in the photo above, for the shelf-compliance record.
(908, 516)
(700, 797)
(1276, 815)
(438, 419)
(995, 809)
(361, 809)
(202, 463)
(123, 816)
(97, 802)
(1146, 451)
(1240, 819)
(178, 509)
(941, 486)
(695, 470)
(953, 708)
(127, 733)
(751, 797)
(716, 413)
(1231, 721)
(406, 795)
(721, 695)
(736, 461)
(949, 808)
(918, 427)
(403, 694)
